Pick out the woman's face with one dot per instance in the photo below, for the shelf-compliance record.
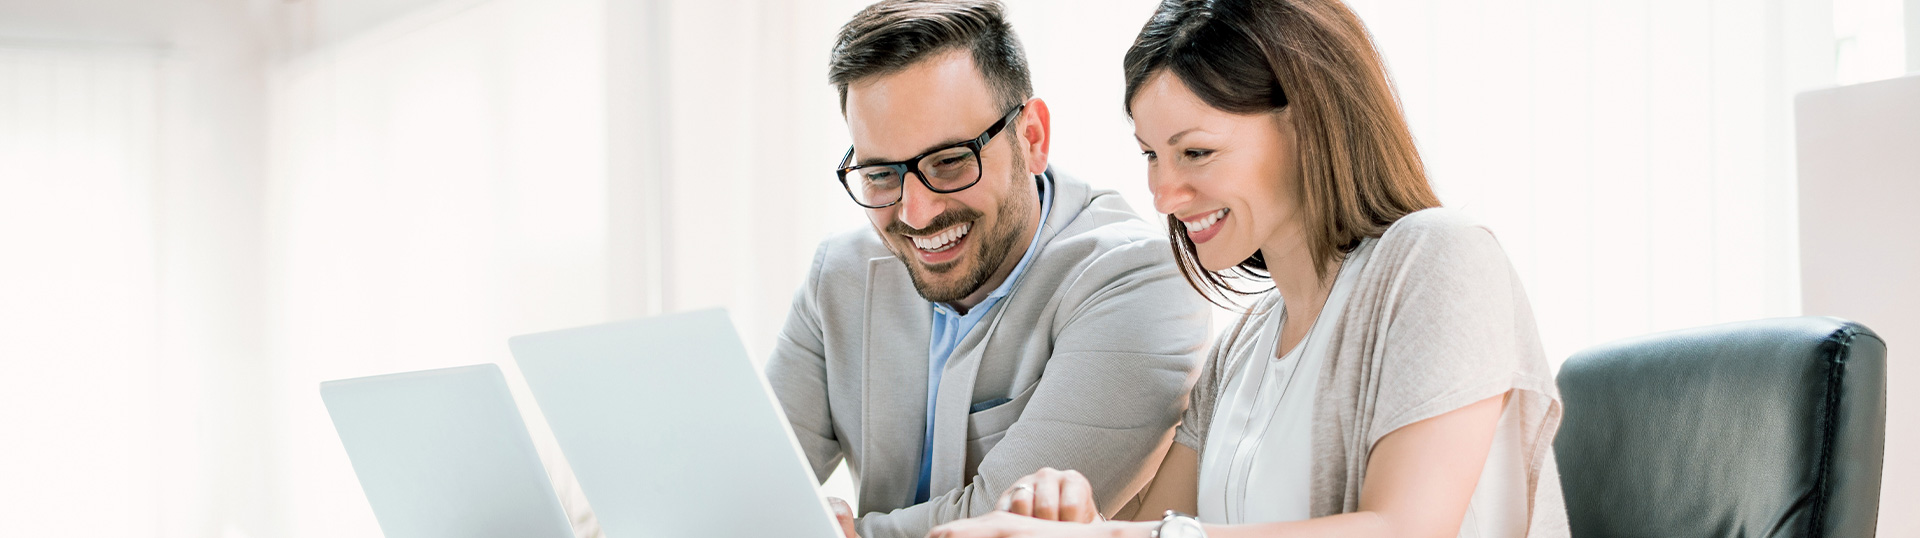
(1233, 180)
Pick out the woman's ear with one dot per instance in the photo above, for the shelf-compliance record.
(1283, 120)
(1284, 116)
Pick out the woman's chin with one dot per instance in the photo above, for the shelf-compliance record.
(1215, 259)
(1215, 266)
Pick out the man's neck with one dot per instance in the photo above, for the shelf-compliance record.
(1016, 253)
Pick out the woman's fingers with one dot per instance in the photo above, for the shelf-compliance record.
(1052, 495)
(1019, 498)
(993, 525)
(1046, 496)
(1076, 498)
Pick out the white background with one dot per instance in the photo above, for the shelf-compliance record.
(209, 206)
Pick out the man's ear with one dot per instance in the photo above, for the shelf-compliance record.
(1036, 134)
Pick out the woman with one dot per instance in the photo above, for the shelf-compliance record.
(1392, 382)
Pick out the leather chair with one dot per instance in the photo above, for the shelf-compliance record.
(1763, 428)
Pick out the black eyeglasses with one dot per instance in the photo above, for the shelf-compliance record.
(946, 170)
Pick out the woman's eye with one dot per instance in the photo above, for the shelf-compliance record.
(1148, 154)
(1194, 154)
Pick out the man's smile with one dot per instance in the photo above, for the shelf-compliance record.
(941, 241)
(943, 246)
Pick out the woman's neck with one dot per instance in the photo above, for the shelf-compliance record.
(1301, 286)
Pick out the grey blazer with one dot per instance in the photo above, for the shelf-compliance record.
(1092, 354)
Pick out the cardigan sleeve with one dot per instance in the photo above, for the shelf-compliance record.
(1438, 321)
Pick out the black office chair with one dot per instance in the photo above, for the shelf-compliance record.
(1763, 428)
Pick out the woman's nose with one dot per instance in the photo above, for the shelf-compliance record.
(1169, 193)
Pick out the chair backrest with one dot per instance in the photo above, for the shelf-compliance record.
(1762, 428)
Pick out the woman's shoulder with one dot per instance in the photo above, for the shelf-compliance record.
(1441, 240)
(1437, 225)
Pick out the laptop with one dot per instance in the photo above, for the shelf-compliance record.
(444, 453)
(671, 430)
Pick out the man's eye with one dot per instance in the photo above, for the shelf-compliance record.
(880, 177)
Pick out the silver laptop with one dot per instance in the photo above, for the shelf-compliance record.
(672, 431)
(444, 453)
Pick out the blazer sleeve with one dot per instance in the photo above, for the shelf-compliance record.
(1128, 337)
(798, 373)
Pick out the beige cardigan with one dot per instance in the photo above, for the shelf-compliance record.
(1437, 321)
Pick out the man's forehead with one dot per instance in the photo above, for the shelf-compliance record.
(937, 101)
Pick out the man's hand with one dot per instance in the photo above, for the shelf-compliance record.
(1051, 495)
(843, 514)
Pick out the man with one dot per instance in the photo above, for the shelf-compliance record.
(998, 317)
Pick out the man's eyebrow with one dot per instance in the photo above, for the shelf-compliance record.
(930, 149)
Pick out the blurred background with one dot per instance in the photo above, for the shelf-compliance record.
(209, 206)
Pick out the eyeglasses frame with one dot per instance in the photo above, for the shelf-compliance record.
(912, 166)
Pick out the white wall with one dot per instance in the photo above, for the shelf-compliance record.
(1859, 175)
(77, 289)
(187, 209)
(438, 184)
(1912, 12)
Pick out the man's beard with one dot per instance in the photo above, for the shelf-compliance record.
(987, 256)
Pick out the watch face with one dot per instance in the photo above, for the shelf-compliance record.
(1182, 527)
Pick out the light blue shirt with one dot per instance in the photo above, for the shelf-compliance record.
(950, 327)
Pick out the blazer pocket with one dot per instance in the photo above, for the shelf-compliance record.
(986, 427)
(995, 419)
(977, 450)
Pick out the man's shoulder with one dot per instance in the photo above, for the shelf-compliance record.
(1106, 232)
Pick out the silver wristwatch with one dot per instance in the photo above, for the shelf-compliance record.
(1178, 525)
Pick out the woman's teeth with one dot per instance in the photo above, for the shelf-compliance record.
(943, 240)
(1202, 224)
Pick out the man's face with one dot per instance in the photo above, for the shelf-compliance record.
(952, 243)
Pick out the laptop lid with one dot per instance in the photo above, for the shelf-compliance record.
(444, 453)
(671, 431)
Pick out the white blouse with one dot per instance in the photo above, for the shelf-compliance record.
(1258, 466)
(1259, 458)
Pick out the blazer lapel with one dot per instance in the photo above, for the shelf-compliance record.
(951, 412)
(894, 399)
(955, 404)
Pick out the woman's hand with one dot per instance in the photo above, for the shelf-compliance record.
(1052, 495)
(1005, 525)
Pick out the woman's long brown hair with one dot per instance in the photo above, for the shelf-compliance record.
(1359, 168)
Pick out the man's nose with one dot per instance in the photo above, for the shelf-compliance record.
(918, 206)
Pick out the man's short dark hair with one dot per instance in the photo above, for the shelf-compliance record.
(891, 35)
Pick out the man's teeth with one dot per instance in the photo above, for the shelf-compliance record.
(1202, 224)
(941, 241)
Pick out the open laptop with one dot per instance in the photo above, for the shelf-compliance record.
(444, 453)
(672, 431)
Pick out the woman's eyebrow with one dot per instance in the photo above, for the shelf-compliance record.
(1175, 139)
